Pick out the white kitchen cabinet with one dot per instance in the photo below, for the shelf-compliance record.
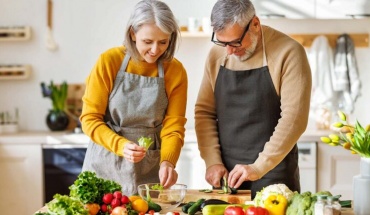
(341, 9)
(298, 9)
(21, 179)
(336, 168)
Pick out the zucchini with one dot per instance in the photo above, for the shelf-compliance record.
(219, 209)
(213, 202)
(195, 207)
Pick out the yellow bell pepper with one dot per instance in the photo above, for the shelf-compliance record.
(276, 204)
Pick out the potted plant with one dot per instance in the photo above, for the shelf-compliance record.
(57, 118)
(355, 138)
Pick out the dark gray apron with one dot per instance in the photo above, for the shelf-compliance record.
(136, 107)
(248, 110)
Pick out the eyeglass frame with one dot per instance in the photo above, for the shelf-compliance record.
(236, 43)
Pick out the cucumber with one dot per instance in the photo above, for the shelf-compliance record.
(220, 209)
(154, 206)
(195, 207)
(186, 207)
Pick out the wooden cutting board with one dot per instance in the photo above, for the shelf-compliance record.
(240, 198)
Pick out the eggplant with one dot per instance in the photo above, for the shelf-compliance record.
(213, 202)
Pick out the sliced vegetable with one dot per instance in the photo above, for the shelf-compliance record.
(145, 142)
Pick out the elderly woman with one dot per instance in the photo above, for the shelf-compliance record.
(137, 90)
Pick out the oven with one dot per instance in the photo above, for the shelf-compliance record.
(62, 163)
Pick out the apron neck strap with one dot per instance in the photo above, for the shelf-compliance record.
(127, 58)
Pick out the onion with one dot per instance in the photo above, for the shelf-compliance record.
(119, 210)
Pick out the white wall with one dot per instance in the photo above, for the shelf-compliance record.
(85, 28)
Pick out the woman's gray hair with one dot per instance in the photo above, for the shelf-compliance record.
(229, 12)
(152, 12)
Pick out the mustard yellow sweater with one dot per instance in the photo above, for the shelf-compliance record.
(291, 76)
(100, 83)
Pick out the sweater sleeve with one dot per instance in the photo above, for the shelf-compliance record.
(173, 130)
(205, 111)
(98, 86)
(291, 74)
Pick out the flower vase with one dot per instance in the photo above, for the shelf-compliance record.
(57, 120)
(361, 189)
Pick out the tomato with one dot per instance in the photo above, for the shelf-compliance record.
(104, 208)
(256, 211)
(107, 198)
(119, 211)
(234, 210)
(117, 194)
(115, 203)
(125, 200)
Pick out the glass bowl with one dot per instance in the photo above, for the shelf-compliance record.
(168, 199)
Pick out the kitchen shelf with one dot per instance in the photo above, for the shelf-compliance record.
(14, 72)
(359, 40)
(17, 33)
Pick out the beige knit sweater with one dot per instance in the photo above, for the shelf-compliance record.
(291, 76)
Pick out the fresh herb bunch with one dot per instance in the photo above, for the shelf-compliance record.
(57, 94)
(88, 188)
(354, 138)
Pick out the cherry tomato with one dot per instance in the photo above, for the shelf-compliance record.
(115, 203)
(234, 210)
(125, 199)
(107, 198)
(117, 194)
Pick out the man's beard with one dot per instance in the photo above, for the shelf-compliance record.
(250, 50)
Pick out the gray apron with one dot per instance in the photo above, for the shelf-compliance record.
(248, 110)
(136, 107)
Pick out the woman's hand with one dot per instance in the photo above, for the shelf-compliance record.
(167, 174)
(133, 153)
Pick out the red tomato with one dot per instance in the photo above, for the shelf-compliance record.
(234, 210)
(104, 208)
(119, 211)
(256, 211)
(107, 198)
(115, 203)
(125, 199)
(117, 194)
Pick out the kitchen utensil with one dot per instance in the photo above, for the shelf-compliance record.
(50, 42)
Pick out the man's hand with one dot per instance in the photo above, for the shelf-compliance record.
(215, 173)
(167, 174)
(241, 173)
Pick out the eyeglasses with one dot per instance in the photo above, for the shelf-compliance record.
(232, 43)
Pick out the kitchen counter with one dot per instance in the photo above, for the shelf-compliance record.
(48, 137)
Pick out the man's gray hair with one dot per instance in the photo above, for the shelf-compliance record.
(229, 12)
(152, 12)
